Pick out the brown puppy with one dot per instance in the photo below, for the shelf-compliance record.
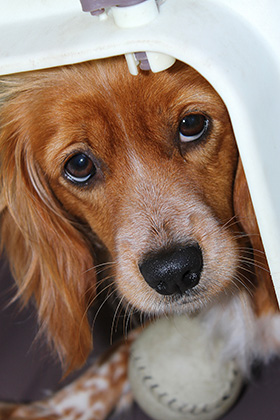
(144, 167)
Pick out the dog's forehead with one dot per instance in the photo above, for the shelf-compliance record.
(114, 82)
(102, 103)
(105, 82)
(104, 92)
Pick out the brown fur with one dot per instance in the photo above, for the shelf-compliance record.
(264, 294)
(49, 226)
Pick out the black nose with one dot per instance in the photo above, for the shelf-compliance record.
(173, 271)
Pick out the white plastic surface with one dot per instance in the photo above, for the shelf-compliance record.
(137, 15)
(234, 44)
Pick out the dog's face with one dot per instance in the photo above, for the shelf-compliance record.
(145, 164)
(148, 162)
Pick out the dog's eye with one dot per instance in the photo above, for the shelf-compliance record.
(79, 168)
(192, 127)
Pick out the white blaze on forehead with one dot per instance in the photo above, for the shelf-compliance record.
(136, 164)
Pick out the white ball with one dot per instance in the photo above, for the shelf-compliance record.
(176, 375)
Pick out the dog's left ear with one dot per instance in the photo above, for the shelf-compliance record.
(49, 255)
(264, 297)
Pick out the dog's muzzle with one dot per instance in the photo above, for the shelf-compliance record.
(173, 271)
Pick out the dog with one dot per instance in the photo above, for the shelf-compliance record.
(145, 170)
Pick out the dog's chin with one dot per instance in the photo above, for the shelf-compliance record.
(190, 303)
(179, 305)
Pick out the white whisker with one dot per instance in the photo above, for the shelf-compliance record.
(114, 319)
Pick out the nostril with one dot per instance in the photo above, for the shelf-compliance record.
(174, 270)
(190, 279)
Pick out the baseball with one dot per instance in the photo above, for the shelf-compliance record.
(176, 375)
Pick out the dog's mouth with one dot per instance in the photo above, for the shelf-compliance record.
(189, 302)
(156, 305)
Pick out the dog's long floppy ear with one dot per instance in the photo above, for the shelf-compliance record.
(49, 257)
(264, 295)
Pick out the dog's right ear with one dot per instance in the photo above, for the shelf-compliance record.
(49, 256)
(264, 297)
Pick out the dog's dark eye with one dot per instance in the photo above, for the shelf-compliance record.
(79, 168)
(192, 127)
